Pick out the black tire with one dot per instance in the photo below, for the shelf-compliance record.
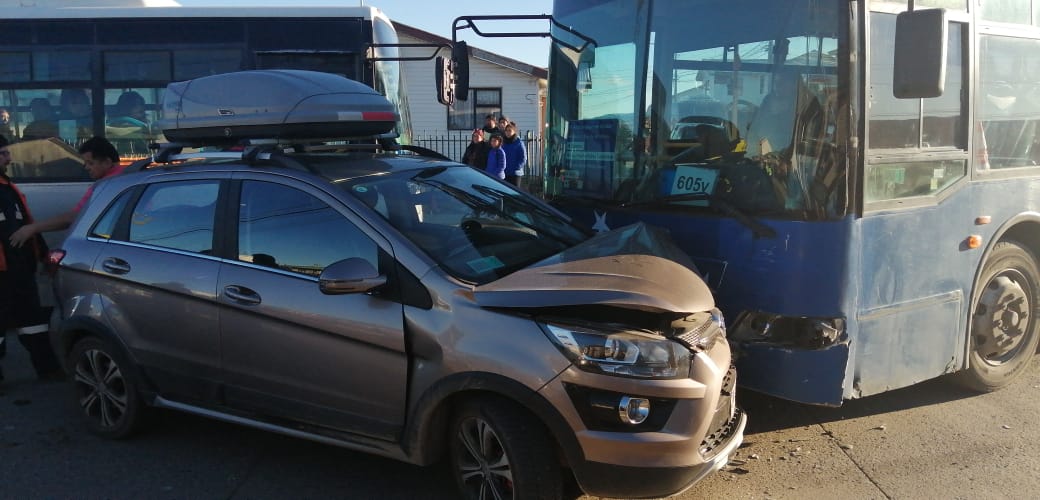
(1003, 326)
(498, 452)
(106, 388)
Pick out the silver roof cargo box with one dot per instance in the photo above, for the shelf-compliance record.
(273, 104)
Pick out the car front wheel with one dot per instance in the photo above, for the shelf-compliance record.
(499, 452)
(106, 388)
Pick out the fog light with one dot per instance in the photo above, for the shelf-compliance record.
(633, 411)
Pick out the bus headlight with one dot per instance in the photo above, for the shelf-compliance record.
(623, 353)
(809, 333)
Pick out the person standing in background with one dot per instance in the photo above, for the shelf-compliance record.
(496, 162)
(5, 125)
(20, 309)
(490, 127)
(101, 160)
(516, 154)
(477, 151)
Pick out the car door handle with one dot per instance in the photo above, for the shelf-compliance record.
(116, 266)
(241, 294)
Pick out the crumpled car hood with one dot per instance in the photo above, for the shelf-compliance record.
(635, 267)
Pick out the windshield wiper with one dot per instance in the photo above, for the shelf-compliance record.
(587, 201)
(758, 229)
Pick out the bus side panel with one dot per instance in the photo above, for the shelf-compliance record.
(916, 273)
(902, 344)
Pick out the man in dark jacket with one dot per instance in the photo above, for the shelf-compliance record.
(477, 151)
(20, 309)
(490, 127)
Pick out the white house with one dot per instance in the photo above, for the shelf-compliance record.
(498, 85)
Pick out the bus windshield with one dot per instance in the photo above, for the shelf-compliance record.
(693, 105)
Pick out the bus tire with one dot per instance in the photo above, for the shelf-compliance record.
(1003, 325)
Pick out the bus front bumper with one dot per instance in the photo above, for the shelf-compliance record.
(813, 376)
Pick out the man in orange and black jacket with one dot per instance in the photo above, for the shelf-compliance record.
(20, 309)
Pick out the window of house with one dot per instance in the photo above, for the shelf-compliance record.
(469, 114)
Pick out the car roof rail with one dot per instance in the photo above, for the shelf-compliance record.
(251, 152)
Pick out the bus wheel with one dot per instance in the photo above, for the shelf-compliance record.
(1003, 324)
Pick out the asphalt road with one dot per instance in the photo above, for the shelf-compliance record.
(929, 441)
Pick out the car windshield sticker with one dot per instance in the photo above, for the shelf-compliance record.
(485, 264)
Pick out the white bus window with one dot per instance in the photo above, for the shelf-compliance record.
(136, 66)
(188, 64)
(15, 66)
(129, 115)
(50, 66)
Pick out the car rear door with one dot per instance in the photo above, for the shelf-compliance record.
(288, 349)
(158, 277)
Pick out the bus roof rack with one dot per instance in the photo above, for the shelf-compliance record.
(276, 104)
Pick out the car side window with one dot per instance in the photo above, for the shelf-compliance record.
(285, 228)
(105, 227)
(178, 215)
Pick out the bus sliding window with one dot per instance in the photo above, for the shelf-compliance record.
(892, 181)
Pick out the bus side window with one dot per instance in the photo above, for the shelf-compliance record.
(1008, 109)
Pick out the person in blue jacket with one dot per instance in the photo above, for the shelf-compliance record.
(516, 155)
(496, 162)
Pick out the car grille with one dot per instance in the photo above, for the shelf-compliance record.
(724, 421)
(693, 328)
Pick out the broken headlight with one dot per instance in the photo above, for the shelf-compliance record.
(625, 353)
(809, 333)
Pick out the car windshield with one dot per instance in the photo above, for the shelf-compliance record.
(477, 228)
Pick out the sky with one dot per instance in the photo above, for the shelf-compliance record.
(436, 16)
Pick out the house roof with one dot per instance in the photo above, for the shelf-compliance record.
(481, 54)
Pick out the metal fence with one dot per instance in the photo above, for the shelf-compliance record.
(453, 143)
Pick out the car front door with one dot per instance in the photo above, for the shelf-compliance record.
(288, 349)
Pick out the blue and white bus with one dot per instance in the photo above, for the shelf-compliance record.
(857, 241)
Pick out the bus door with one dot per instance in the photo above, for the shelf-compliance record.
(915, 273)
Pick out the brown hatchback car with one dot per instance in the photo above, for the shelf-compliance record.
(390, 303)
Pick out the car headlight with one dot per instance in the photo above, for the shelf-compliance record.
(620, 352)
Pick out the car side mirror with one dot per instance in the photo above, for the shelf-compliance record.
(353, 275)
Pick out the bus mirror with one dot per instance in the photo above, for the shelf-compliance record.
(445, 86)
(460, 58)
(920, 54)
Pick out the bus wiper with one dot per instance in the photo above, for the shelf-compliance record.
(588, 201)
(758, 229)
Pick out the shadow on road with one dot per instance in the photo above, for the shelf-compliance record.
(767, 413)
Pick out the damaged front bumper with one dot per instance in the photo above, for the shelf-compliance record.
(656, 482)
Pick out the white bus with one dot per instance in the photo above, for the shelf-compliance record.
(70, 70)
